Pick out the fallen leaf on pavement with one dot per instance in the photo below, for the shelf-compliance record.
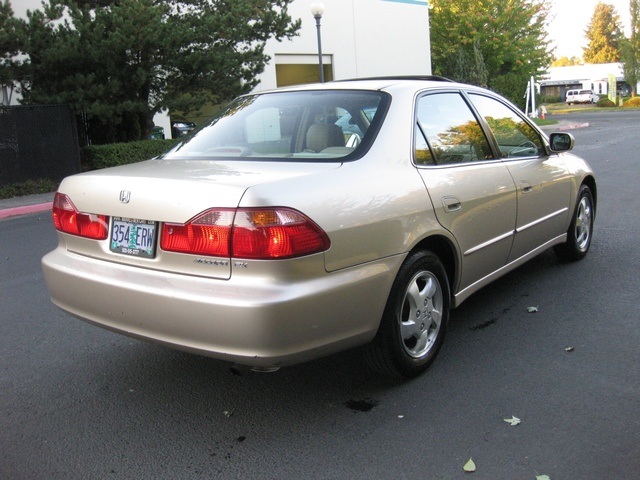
(469, 466)
(513, 421)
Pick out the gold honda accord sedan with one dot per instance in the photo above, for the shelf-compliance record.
(308, 220)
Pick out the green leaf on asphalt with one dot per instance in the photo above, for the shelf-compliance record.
(532, 309)
(513, 421)
(542, 477)
(469, 466)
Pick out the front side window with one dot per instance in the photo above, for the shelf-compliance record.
(309, 125)
(515, 137)
(448, 132)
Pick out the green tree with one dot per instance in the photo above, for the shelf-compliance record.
(120, 62)
(566, 62)
(9, 49)
(631, 49)
(510, 36)
(470, 68)
(603, 34)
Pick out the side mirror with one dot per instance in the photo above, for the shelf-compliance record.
(561, 142)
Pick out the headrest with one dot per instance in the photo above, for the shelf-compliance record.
(324, 135)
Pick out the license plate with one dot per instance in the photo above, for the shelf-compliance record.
(133, 237)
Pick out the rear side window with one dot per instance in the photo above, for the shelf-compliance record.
(515, 137)
(306, 125)
(447, 132)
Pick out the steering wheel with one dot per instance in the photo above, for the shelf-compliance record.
(525, 149)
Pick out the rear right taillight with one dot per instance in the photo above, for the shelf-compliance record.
(67, 219)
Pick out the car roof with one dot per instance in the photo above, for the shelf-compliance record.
(377, 83)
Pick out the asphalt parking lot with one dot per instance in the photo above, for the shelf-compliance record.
(80, 402)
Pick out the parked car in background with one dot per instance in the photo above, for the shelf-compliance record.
(581, 96)
(623, 90)
(181, 127)
(265, 240)
(157, 133)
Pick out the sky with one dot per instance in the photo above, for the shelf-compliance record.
(566, 31)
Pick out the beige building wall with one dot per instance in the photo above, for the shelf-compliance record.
(360, 38)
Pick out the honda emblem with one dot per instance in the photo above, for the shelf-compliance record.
(125, 196)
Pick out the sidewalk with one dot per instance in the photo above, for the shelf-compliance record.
(11, 207)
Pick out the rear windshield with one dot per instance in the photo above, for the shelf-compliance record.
(311, 126)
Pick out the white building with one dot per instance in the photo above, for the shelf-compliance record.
(359, 38)
(589, 76)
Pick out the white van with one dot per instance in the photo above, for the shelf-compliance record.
(581, 96)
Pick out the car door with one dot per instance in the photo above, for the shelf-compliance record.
(472, 192)
(542, 181)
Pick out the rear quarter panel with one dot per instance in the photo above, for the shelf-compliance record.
(371, 208)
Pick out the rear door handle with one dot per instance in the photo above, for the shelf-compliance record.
(451, 204)
(525, 187)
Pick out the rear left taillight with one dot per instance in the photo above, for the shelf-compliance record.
(250, 233)
(67, 219)
(206, 234)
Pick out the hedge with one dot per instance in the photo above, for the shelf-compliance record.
(550, 99)
(102, 156)
(605, 102)
(632, 102)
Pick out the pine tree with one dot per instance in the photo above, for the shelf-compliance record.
(604, 34)
(118, 62)
(9, 48)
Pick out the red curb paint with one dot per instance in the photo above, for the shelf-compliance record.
(12, 212)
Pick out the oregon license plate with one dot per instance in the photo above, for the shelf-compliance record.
(134, 237)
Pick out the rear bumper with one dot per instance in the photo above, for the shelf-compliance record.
(251, 319)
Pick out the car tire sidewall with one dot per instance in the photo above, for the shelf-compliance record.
(389, 334)
(571, 249)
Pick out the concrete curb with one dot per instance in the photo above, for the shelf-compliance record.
(24, 210)
(563, 125)
(12, 207)
(572, 126)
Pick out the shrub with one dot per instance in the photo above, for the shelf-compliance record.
(605, 102)
(632, 102)
(110, 155)
(551, 99)
(30, 187)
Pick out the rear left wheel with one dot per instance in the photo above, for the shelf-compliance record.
(415, 319)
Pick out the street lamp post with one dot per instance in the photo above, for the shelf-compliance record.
(317, 9)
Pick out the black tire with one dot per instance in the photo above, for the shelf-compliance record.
(415, 318)
(581, 228)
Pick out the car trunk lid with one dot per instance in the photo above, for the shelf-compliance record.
(169, 191)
